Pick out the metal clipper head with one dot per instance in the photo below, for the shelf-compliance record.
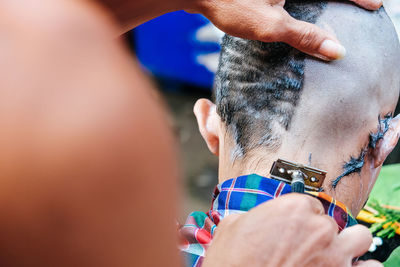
(287, 171)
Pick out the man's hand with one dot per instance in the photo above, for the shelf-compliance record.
(267, 21)
(263, 20)
(290, 231)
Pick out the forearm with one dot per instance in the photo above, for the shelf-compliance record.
(135, 12)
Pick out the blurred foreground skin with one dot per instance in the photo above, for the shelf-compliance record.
(88, 176)
(87, 167)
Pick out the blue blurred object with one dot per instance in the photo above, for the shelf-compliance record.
(179, 47)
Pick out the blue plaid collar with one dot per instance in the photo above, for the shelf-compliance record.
(245, 192)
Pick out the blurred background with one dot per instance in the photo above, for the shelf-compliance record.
(180, 52)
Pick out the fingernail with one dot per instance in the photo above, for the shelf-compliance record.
(332, 49)
(379, 3)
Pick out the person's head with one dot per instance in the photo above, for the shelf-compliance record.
(272, 101)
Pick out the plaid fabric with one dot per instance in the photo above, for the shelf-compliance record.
(335, 209)
(238, 196)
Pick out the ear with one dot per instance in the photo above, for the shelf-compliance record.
(388, 142)
(208, 121)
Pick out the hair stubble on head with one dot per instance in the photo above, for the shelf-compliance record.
(258, 85)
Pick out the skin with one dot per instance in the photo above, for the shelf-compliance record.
(263, 20)
(71, 191)
(335, 116)
(78, 161)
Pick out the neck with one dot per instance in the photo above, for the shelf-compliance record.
(260, 163)
(229, 168)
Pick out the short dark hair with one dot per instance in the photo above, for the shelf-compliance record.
(258, 85)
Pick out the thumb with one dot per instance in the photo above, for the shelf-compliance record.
(312, 40)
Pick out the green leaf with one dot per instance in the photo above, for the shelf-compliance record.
(392, 234)
(394, 259)
(386, 232)
(386, 187)
(376, 227)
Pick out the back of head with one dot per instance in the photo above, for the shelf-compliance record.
(259, 84)
(279, 102)
(260, 87)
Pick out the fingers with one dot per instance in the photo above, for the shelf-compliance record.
(295, 202)
(308, 37)
(355, 241)
(306, 202)
(228, 220)
(312, 40)
(369, 263)
(368, 4)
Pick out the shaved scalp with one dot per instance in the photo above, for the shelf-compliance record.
(271, 94)
(360, 95)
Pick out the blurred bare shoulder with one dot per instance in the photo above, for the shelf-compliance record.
(84, 145)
